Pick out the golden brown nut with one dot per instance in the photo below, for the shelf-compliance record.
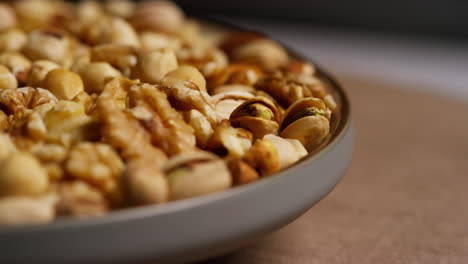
(6, 146)
(208, 60)
(4, 122)
(289, 150)
(35, 14)
(299, 67)
(187, 74)
(49, 45)
(201, 126)
(123, 131)
(305, 121)
(185, 96)
(167, 127)
(51, 153)
(258, 115)
(86, 100)
(35, 127)
(20, 210)
(79, 199)
(284, 90)
(38, 72)
(19, 102)
(120, 8)
(264, 157)
(237, 73)
(64, 84)
(8, 17)
(96, 75)
(145, 183)
(22, 174)
(229, 140)
(18, 64)
(154, 40)
(68, 123)
(7, 79)
(196, 173)
(153, 65)
(226, 102)
(161, 16)
(12, 39)
(98, 165)
(242, 173)
(114, 30)
(122, 57)
(263, 52)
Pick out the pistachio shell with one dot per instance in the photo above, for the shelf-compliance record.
(257, 125)
(309, 130)
(196, 173)
(232, 88)
(289, 150)
(226, 103)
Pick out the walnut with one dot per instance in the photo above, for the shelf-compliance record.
(208, 60)
(4, 122)
(237, 73)
(124, 132)
(19, 101)
(51, 153)
(97, 164)
(167, 128)
(79, 199)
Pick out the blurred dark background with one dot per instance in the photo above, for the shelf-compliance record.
(446, 19)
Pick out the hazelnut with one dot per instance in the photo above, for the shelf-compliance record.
(7, 79)
(22, 174)
(64, 84)
(96, 75)
(153, 65)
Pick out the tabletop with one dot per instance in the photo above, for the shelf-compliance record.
(404, 198)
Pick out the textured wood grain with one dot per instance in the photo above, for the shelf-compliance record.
(405, 197)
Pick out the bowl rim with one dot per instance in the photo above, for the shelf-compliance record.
(134, 213)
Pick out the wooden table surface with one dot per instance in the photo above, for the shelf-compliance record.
(405, 196)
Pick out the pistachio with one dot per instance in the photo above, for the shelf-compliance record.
(196, 173)
(305, 121)
(258, 115)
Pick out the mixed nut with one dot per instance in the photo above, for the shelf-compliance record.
(108, 105)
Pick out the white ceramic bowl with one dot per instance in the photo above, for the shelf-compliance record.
(192, 229)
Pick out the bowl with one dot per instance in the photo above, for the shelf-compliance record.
(198, 228)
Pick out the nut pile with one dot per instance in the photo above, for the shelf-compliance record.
(108, 105)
